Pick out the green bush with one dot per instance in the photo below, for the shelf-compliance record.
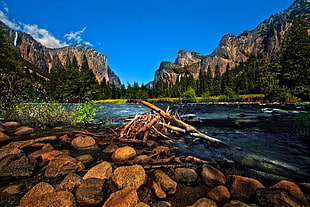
(84, 113)
(189, 96)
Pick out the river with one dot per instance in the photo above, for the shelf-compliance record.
(274, 138)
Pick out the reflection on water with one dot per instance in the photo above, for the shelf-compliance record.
(274, 141)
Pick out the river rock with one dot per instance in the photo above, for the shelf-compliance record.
(126, 197)
(161, 204)
(61, 165)
(12, 189)
(70, 182)
(36, 191)
(129, 176)
(236, 203)
(84, 143)
(124, 153)
(293, 189)
(85, 159)
(212, 176)
(219, 194)
(110, 148)
(203, 202)
(24, 130)
(243, 188)
(276, 197)
(10, 124)
(159, 192)
(90, 192)
(3, 137)
(141, 204)
(100, 171)
(185, 175)
(17, 164)
(165, 182)
(53, 199)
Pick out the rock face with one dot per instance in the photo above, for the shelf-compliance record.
(266, 38)
(53, 60)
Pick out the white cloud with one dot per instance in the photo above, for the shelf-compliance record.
(43, 36)
(76, 36)
(8, 22)
(89, 44)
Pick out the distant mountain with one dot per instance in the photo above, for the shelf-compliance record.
(53, 60)
(267, 38)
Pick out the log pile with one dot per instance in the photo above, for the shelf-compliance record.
(160, 123)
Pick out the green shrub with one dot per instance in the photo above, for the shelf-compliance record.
(84, 113)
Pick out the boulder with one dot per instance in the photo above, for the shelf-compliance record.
(23, 130)
(293, 189)
(123, 154)
(53, 199)
(36, 191)
(219, 194)
(100, 171)
(70, 182)
(84, 143)
(212, 177)
(90, 192)
(61, 165)
(276, 197)
(164, 181)
(185, 175)
(243, 188)
(129, 176)
(3, 137)
(202, 202)
(126, 197)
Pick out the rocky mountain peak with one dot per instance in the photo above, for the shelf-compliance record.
(185, 58)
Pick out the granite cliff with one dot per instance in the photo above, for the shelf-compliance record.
(267, 38)
(53, 60)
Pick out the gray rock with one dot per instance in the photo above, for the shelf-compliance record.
(90, 192)
(129, 176)
(84, 143)
(185, 175)
(212, 176)
(61, 165)
(100, 171)
(70, 182)
(126, 197)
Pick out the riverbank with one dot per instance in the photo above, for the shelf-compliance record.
(90, 167)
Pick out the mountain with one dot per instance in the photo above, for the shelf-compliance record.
(267, 38)
(53, 60)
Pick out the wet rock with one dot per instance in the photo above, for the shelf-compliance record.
(63, 164)
(124, 153)
(3, 137)
(13, 189)
(276, 197)
(142, 159)
(126, 197)
(110, 148)
(235, 203)
(100, 171)
(202, 202)
(70, 182)
(17, 164)
(293, 189)
(36, 191)
(159, 192)
(45, 149)
(11, 124)
(161, 204)
(185, 175)
(53, 199)
(129, 176)
(141, 204)
(243, 188)
(24, 130)
(219, 194)
(212, 176)
(85, 159)
(43, 139)
(90, 192)
(84, 143)
(165, 182)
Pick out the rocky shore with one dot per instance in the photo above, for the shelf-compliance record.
(81, 168)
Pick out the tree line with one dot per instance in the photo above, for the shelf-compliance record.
(286, 79)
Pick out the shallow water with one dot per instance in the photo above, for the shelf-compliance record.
(275, 142)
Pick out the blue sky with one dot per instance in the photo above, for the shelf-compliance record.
(137, 35)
